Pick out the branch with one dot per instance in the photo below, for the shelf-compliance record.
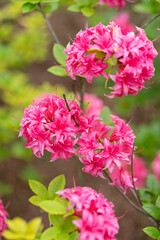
(136, 194)
(49, 24)
(128, 200)
(69, 109)
(82, 82)
(151, 20)
(154, 222)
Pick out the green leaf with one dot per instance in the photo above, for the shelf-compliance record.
(58, 71)
(112, 61)
(62, 235)
(36, 200)
(106, 115)
(28, 7)
(58, 52)
(68, 225)
(30, 1)
(74, 8)
(18, 225)
(153, 184)
(39, 189)
(158, 202)
(145, 194)
(98, 53)
(53, 207)
(87, 11)
(48, 234)
(49, 1)
(51, 7)
(152, 232)
(72, 236)
(34, 226)
(55, 185)
(153, 210)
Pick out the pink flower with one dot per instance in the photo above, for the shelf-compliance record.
(47, 124)
(113, 3)
(122, 177)
(94, 49)
(3, 218)
(156, 166)
(93, 104)
(103, 147)
(122, 20)
(140, 171)
(96, 215)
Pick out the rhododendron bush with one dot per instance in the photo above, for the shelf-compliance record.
(81, 127)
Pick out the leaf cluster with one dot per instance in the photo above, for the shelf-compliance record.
(84, 6)
(151, 203)
(59, 216)
(19, 229)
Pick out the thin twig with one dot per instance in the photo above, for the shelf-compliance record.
(49, 24)
(136, 194)
(82, 82)
(121, 192)
(69, 109)
(151, 20)
(154, 222)
(87, 22)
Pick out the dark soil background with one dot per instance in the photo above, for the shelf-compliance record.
(131, 224)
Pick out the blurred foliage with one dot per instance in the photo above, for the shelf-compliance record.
(23, 41)
(19, 229)
(30, 172)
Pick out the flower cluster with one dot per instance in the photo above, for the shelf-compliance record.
(100, 47)
(48, 124)
(113, 3)
(3, 215)
(107, 147)
(96, 215)
(156, 166)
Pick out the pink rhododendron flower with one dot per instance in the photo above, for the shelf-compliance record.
(93, 104)
(122, 20)
(96, 215)
(122, 177)
(140, 171)
(107, 147)
(113, 3)
(47, 124)
(99, 47)
(3, 218)
(156, 166)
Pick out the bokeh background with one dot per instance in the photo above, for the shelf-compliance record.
(25, 55)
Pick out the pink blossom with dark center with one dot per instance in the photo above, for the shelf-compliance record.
(96, 215)
(3, 218)
(100, 47)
